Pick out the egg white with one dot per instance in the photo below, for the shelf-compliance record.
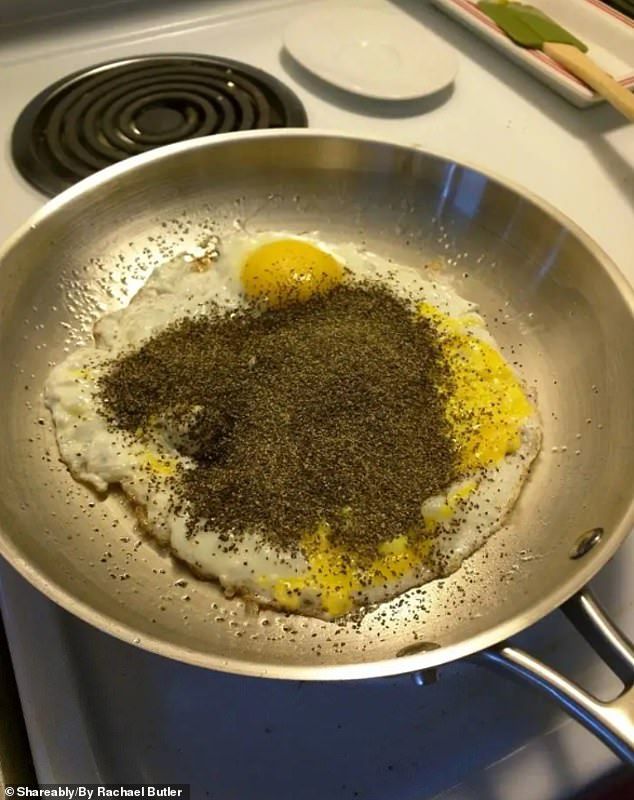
(102, 456)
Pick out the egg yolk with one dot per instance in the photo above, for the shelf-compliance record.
(487, 405)
(289, 270)
(160, 464)
(336, 577)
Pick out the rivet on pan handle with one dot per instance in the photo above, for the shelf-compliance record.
(613, 721)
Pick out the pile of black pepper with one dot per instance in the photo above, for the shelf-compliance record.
(323, 411)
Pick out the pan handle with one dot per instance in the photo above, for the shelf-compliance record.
(612, 722)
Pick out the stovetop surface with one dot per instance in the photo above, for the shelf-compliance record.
(99, 710)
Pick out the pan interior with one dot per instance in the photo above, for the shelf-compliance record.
(543, 289)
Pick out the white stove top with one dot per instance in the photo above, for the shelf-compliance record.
(100, 711)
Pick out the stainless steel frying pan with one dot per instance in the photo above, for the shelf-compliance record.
(544, 287)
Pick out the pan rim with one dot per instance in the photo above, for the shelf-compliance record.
(357, 670)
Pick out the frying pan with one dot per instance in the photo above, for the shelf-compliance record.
(545, 288)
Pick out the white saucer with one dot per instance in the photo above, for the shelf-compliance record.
(371, 52)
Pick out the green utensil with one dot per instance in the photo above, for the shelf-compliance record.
(529, 27)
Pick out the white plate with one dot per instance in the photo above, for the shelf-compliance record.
(608, 34)
(371, 52)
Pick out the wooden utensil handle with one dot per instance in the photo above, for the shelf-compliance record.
(591, 73)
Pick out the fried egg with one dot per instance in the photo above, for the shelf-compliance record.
(495, 424)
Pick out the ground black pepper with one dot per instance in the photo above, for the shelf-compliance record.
(327, 410)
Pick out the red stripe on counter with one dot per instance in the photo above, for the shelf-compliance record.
(613, 12)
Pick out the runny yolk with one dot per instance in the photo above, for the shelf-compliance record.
(335, 577)
(486, 405)
(160, 464)
(289, 270)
